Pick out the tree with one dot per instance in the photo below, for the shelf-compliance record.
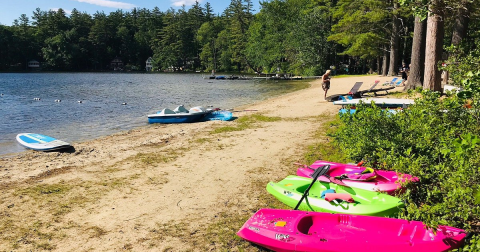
(434, 45)
(207, 37)
(462, 19)
(239, 15)
(363, 28)
(417, 66)
(394, 41)
(101, 37)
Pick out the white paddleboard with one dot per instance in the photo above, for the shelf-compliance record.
(41, 142)
(377, 101)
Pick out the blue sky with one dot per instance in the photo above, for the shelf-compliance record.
(12, 9)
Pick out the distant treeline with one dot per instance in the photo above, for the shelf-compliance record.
(294, 36)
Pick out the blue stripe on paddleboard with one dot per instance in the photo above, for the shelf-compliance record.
(33, 138)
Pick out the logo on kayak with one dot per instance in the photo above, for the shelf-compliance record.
(283, 237)
(288, 193)
(254, 229)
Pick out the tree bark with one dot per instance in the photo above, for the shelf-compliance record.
(417, 65)
(461, 23)
(385, 63)
(434, 46)
(394, 42)
(379, 65)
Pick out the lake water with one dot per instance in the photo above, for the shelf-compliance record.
(102, 95)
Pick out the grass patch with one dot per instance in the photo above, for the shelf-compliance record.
(44, 190)
(203, 140)
(95, 232)
(35, 220)
(398, 94)
(246, 122)
(349, 76)
(159, 157)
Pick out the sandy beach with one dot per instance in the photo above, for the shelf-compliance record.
(183, 187)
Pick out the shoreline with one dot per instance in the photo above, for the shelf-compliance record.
(150, 187)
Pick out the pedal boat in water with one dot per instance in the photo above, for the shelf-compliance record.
(291, 230)
(359, 177)
(178, 115)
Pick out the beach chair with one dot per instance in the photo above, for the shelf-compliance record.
(354, 91)
(398, 83)
(390, 82)
(371, 88)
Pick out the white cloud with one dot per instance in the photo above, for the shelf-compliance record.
(68, 12)
(107, 3)
(187, 3)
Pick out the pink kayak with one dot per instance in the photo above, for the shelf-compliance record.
(359, 177)
(291, 230)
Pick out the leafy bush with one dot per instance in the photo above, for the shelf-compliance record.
(436, 140)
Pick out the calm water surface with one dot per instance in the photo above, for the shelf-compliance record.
(102, 94)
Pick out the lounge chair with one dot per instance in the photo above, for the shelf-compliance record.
(390, 82)
(398, 83)
(376, 90)
(370, 89)
(354, 91)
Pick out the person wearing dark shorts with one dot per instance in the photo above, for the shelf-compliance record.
(404, 70)
(326, 82)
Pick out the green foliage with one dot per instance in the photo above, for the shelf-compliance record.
(472, 245)
(361, 27)
(290, 36)
(463, 66)
(435, 140)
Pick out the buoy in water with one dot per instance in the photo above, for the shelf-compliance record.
(79, 101)
(124, 103)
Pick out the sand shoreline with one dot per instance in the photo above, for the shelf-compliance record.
(145, 188)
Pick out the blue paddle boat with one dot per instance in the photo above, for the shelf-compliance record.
(178, 115)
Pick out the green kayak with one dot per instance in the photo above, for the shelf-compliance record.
(330, 197)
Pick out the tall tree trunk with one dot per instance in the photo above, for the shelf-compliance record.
(434, 46)
(394, 42)
(417, 64)
(385, 63)
(379, 64)
(461, 23)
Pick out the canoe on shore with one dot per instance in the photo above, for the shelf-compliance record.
(290, 230)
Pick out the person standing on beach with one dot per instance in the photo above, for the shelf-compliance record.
(404, 72)
(326, 82)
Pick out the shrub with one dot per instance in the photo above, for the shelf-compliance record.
(436, 140)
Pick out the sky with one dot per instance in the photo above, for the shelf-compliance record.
(13, 9)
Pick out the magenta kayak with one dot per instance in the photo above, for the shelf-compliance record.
(291, 230)
(359, 177)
